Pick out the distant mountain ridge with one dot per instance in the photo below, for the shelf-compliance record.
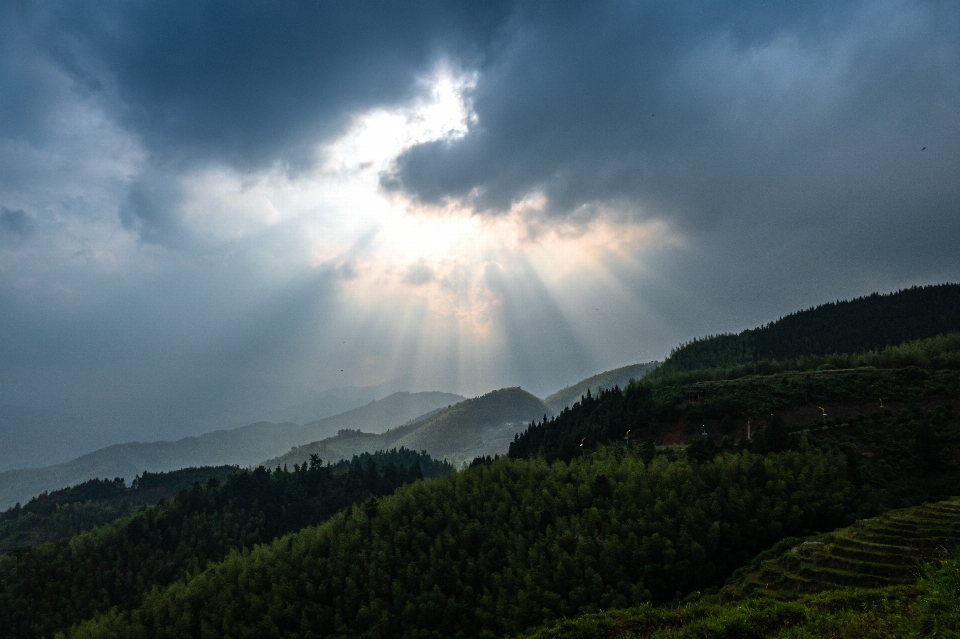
(333, 401)
(854, 326)
(472, 428)
(239, 446)
(608, 379)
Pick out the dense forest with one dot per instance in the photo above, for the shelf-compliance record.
(505, 545)
(656, 407)
(70, 511)
(854, 326)
(54, 585)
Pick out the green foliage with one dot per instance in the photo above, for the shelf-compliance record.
(882, 551)
(71, 511)
(906, 458)
(503, 546)
(648, 409)
(855, 326)
(940, 603)
(930, 608)
(933, 353)
(846, 614)
(52, 586)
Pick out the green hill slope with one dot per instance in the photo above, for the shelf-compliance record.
(503, 546)
(472, 428)
(608, 379)
(49, 587)
(71, 511)
(855, 326)
(872, 553)
(892, 576)
(666, 410)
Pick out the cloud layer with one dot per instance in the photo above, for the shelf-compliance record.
(211, 209)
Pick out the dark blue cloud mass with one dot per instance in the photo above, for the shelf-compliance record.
(702, 109)
(253, 82)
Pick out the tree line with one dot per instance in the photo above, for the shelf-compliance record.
(853, 326)
(70, 511)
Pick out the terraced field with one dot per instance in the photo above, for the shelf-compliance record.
(873, 553)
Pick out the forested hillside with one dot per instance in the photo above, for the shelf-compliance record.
(665, 409)
(869, 580)
(505, 545)
(71, 511)
(854, 326)
(51, 586)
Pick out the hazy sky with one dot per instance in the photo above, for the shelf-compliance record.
(212, 208)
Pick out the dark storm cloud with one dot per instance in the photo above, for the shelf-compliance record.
(249, 82)
(803, 113)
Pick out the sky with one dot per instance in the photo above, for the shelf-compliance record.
(213, 209)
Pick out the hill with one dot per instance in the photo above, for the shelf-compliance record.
(616, 377)
(665, 409)
(49, 587)
(888, 576)
(381, 415)
(509, 544)
(854, 326)
(242, 446)
(472, 428)
(873, 553)
(502, 546)
(71, 511)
